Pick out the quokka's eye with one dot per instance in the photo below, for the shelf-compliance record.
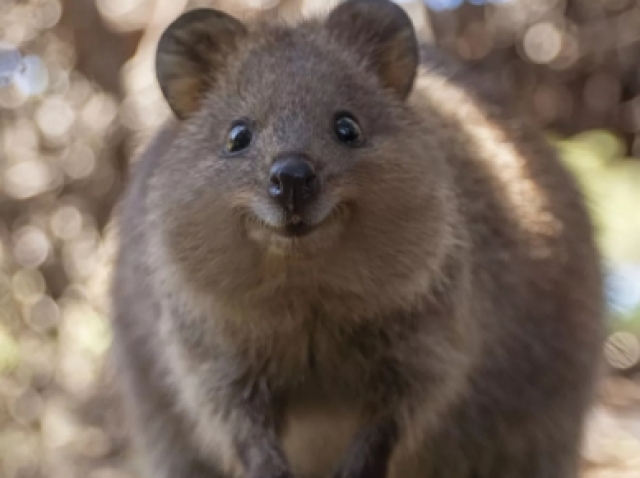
(239, 137)
(347, 129)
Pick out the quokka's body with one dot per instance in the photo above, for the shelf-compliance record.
(341, 260)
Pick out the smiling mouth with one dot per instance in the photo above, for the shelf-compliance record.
(298, 229)
(295, 227)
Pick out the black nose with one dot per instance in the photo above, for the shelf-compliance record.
(293, 183)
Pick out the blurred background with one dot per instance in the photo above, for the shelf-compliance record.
(78, 99)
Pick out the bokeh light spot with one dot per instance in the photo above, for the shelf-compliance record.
(542, 42)
(31, 246)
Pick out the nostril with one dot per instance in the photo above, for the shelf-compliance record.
(311, 184)
(292, 182)
(311, 181)
(275, 185)
(275, 180)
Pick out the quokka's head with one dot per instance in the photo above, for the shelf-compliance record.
(296, 142)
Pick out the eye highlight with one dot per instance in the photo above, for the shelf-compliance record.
(239, 137)
(347, 129)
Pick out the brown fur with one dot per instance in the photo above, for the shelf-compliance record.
(443, 320)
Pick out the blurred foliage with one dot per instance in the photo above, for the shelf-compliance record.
(612, 187)
(611, 184)
(77, 99)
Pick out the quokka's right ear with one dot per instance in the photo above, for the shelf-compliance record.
(384, 35)
(191, 52)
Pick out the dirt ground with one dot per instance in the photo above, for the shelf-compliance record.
(612, 444)
(48, 433)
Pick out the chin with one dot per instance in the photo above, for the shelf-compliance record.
(299, 239)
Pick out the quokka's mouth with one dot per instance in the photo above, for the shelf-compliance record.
(298, 229)
(302, 238)
(296, 226)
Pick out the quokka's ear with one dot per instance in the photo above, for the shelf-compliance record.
(191, 52)
(383, 34)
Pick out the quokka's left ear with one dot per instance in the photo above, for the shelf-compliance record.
(191, 53)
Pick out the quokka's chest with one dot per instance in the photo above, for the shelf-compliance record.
(315, 436)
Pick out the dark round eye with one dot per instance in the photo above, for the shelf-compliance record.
(239, 137)
(347, 129)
